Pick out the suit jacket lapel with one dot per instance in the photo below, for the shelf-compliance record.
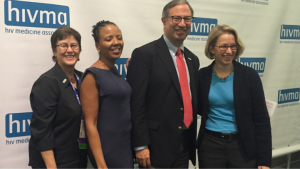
(165, 56)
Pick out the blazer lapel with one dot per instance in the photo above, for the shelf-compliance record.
(207, 81)
(237, 83)
(165, 56)
(61, 75)
(64, 81)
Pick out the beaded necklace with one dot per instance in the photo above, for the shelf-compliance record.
(226, 76)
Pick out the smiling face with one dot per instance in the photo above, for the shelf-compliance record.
(110, 42)
(67, 57)
(224, 57)
(176, 33)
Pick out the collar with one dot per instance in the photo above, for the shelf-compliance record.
(172, 48)
(61, 75)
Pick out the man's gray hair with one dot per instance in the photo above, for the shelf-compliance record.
(171, 4)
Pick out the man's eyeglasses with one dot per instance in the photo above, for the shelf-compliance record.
(63, 47)
(177, 19)
(224, 48)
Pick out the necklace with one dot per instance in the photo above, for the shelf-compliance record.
(226, 76)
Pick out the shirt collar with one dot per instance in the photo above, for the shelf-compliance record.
(172, 47)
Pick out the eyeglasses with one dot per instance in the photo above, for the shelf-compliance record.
(64, 47)
(177, 19)
(225, 47)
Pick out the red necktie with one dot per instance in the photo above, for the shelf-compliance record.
(185, 92)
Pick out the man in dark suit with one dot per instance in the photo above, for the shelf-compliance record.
(163, 77)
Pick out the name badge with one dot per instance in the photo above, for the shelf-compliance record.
(82, 137)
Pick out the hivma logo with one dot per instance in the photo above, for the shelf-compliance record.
(288, 95)
(31, 14)
(121, 66)
(17, 124)
(201, 27)
(290, 32)
(256, 63)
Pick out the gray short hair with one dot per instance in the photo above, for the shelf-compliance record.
(171, 4)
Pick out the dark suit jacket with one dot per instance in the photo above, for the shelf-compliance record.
(156, 104)
(55, 120)
(252, 119)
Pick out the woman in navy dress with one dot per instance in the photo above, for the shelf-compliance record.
(105, 98)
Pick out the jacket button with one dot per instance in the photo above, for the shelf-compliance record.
(181, 109)
(179, 127)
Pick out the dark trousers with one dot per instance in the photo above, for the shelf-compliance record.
(217, 153)
(83, 158)
(73, 165)
(182, 160)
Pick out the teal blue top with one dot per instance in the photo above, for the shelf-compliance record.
(221, 115)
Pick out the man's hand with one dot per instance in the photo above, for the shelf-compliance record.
(263, 167)
(127, 62)
(143, 157)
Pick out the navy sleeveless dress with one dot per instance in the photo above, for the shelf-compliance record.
(114, 118)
